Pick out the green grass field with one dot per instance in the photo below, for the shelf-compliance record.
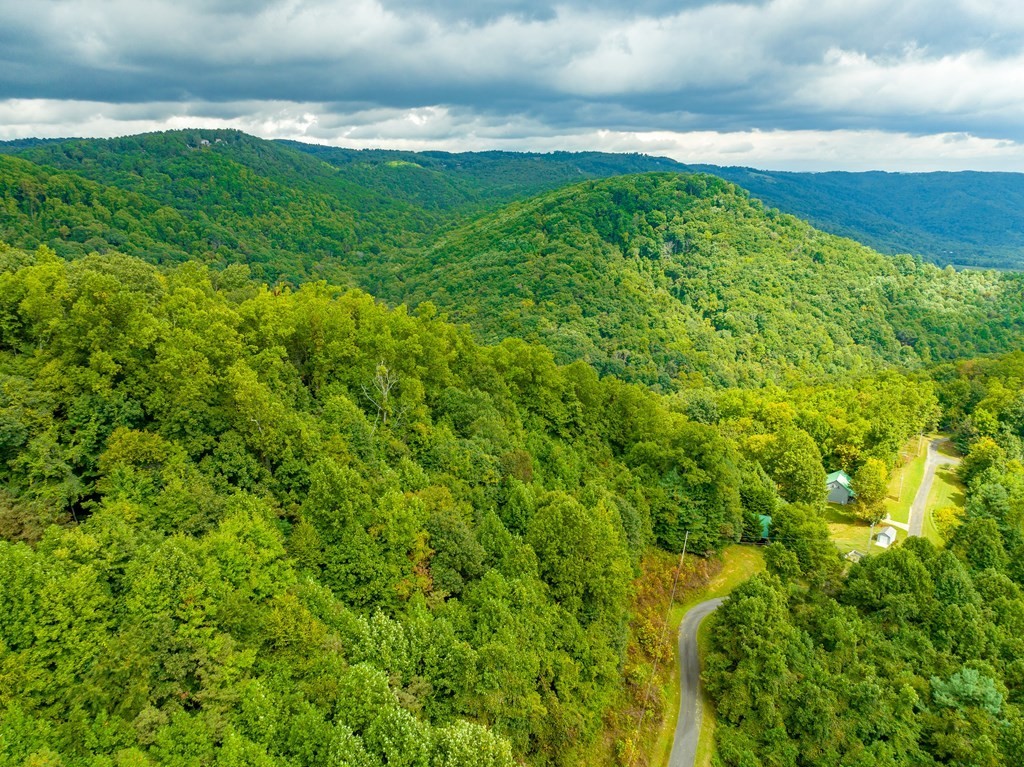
(947, 490)
(905, 480)
(738, 564)
(846, 529)
(849, 532)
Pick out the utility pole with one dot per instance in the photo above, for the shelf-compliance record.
(871, 534)
(654, 668)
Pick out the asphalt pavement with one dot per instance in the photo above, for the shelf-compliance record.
(684, 745)
(934, 459)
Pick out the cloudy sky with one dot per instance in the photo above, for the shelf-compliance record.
(789, 84)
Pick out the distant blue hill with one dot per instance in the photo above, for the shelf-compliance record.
(966, 219)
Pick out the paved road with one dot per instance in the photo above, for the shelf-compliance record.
(931, 463)
(684, 746)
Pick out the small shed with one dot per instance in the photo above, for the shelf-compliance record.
(840, 488)
(766, 525)
(854, 556)
(886, 537)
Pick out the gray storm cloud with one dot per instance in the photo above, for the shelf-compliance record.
(516, 69)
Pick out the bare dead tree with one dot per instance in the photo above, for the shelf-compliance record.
(379, 391)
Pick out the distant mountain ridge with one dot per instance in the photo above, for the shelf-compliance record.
(969, 219)
(224, 196)
(665, 278)
(964, 218)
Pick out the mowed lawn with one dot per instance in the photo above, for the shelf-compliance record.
(906, 479)
(849, 532)
(738, 564)
(947, 490)
(846, 529)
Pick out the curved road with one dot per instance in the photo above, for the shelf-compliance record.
(915, 525)
(684, 746)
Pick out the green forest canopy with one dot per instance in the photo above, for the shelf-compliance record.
(224, 196)
(285, 525)
(227, 505)
(661, 279)
(664, 278)
(968, 219)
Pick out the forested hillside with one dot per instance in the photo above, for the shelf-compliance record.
(297, 528)
(655, 278)
(478, 179)
(285, 527)
(241, 199)
(329, 198)
(665, 278)
(224, 197)
(966, 218)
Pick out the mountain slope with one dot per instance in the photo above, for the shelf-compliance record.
(965, 218)
(651, 278)
(293, 215)
(306, 528)
(243, 198)
(662, 276)
(395, 200)
(75, 215)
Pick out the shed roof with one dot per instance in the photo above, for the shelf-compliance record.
(888, 531)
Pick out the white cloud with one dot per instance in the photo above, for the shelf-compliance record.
(747, 82)
(442, 128)
(915, 83)
(50, 118)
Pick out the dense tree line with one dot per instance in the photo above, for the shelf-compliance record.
(283, 524)
(217, 492)
(964, 218)
(665, 279)
(292, 212)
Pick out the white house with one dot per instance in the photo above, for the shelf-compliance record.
(886, 537)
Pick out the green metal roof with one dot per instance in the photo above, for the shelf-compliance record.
(842, 478)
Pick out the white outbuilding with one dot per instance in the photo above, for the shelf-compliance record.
(886, 537)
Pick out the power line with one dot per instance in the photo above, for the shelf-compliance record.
(657, 658)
